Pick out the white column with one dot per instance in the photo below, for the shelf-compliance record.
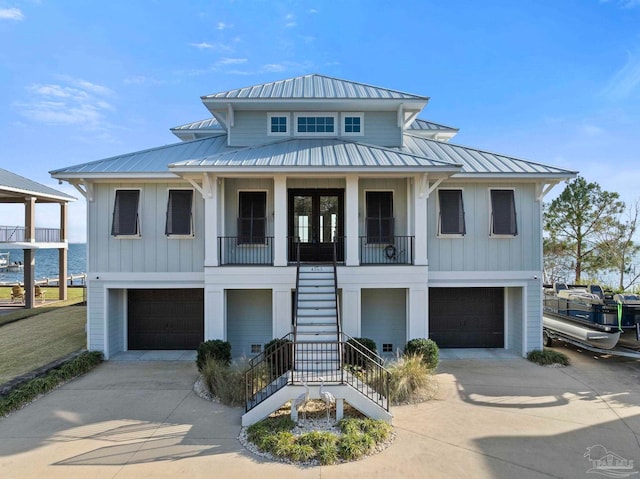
(420, 222)
(210, 188)
(351, 222)
(418, 326)
(281, 312)
(351, 306)
(214, 313)
(280, 221)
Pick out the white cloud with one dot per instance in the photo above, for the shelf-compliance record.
(313, 10)
(273, 67)
(291, 25)
(71, 102)
(591, 130)
(232, 61)
(626, 80)
(223, 26)
(202, 45)
(11, 14)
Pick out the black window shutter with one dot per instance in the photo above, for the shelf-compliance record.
(252, 218)
(379, 210)
(179, 215)
(503, 213)
(125, 213)
(451, 212)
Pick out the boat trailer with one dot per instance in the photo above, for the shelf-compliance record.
(550, 335)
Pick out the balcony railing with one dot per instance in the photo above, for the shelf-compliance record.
(237, 250)
(17, 234)
(392, 250)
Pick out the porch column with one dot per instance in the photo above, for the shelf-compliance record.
(351, 310)
(215, 324)
(420, 222)
(29, 254)
(280, 221)
(210, 188)
(62, 254)
(418, 312)
(351, 222)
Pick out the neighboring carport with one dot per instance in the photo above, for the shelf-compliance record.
(15, 189)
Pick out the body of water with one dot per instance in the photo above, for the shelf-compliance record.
(47, 263)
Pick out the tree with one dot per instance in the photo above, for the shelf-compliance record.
(620, 250)
(577, 220)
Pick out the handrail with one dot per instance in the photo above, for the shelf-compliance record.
(295, 312)
(335, 286)
(346, 362)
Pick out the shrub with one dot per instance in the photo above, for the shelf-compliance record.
(81, 364)
(427, 348)
(359, 350)
(278, 354)
(225, 382)
(410, 380)
(215, 349)
(354, 446)
(548, 357)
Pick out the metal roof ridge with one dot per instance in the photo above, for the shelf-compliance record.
(446, 127)
(479, 150)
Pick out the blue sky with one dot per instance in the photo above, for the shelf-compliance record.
(554, 81)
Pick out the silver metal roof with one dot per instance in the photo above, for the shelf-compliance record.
(475, 161)
(313, 87)
(419, 124)
(208, 124)
(306, 153)
(154, 160)
(13, 185)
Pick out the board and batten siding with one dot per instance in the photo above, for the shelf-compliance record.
(153, 251)
(384, 317)
(250, 129)
(232, 187)
(249, 319)
(477, 250)
(533, 308)
(514, 314)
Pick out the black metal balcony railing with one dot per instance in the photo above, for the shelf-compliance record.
(17, 234)
(236, 250)
(390, 250)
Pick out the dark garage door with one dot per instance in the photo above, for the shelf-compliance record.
(467, 317)
(165, 318)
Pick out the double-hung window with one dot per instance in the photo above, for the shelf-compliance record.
(252, 218)
(503, 213)
(451, 217)
(379, 216)
(126, 219)
(179, 213)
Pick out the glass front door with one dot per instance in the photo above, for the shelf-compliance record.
(316, 223)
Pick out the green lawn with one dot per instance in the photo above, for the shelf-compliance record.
(32, 342)
(74, 296)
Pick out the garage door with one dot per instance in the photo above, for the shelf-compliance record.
(165, 318)
(467, 317)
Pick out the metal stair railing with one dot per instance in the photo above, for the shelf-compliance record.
(357, 366)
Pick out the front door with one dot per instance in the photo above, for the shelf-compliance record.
(316, 223)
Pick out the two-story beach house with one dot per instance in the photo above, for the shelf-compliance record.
(202, 239)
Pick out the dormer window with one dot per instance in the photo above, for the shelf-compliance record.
(278, 124)
(315, 124)
(352, 124)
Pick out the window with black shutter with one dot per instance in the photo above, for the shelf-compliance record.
(126, 221)
(503, 213)
(179, 214)
(252, 218)
(451, 212)
(379, 216)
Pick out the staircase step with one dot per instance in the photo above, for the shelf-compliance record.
(314, 268)
(317, 282)
(316, 296)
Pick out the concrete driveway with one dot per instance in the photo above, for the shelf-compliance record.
(504, 418)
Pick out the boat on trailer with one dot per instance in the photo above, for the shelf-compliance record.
(580, 315)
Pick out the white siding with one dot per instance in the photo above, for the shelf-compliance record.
(96, 340)
(231, 188)
(399, 188)
(153, 252)
(250, 128)
(477, 251)
(534, 315)
(514, 318)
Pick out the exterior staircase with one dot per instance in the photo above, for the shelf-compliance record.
(316, 331)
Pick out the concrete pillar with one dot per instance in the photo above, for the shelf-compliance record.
(282, 311)
(215, 324)
(351, 222)
(418, 324)
(351, 307)
(280, 221)
(62, 254)
(29, 254)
